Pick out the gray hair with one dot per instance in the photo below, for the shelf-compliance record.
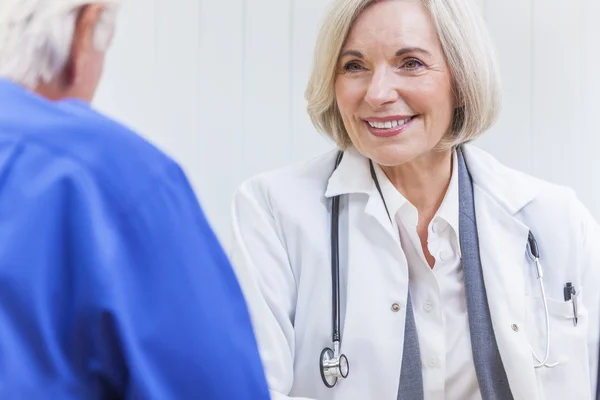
(36, 36)
(466, 45)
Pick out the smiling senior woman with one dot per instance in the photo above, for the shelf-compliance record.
(409, 264)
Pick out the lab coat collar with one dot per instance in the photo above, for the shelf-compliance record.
(509, 188)
(502, 245)
(351, 176)
(512, 190)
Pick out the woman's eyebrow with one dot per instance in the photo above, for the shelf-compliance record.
(399, 53)
(353, 53)
(406, 50)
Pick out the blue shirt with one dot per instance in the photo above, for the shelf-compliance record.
(112, 284)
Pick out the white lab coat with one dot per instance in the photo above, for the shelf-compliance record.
(281, 253)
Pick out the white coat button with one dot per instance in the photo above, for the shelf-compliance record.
(434, 362)
(396, 307)
(437, 226)
(445, 255)
(428, 306)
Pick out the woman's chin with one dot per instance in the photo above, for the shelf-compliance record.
(390, 155)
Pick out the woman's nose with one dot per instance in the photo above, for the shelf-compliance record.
(381, 89)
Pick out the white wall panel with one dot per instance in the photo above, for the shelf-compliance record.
(267, 85)
(556, 81)
(306, 141)
(511, 138)
(176, 89)
(588, 186)
(219, 156)
(126, 92)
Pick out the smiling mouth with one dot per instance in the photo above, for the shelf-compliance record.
(389, 128)
(389, 124)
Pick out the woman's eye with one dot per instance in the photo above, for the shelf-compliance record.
(412, 64)
(352, 66)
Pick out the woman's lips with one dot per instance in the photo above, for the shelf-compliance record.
(388, 127)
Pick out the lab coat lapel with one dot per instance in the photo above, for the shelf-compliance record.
(372, 244)
(377, 282)
(503, 245)
(353, 176)
(488, 362)
(376, 209)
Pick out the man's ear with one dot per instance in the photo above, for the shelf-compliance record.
(83, 45)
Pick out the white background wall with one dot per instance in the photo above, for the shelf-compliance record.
(219, 86)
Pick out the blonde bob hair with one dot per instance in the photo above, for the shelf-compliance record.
(466, 45)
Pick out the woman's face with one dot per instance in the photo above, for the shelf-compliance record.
(393, 87)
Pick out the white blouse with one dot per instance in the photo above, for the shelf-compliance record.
(438, 294)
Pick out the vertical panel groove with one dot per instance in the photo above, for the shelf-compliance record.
(532, 158)
(292, 75)
(155, 32)
(243, 80)
(581, 64)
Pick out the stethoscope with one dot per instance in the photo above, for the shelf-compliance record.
(332, 363)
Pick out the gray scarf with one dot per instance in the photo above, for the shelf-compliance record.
(491, 375)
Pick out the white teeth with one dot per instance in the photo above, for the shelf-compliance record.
(388, 124)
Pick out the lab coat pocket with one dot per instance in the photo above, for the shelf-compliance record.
(565, 374)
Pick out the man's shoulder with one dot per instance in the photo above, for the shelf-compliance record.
(87, 145)
(101, 144)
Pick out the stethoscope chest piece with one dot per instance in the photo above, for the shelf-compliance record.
(332, 367)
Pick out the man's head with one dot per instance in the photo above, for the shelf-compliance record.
(56, 47)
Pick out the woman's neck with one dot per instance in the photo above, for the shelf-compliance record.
(424, 180)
